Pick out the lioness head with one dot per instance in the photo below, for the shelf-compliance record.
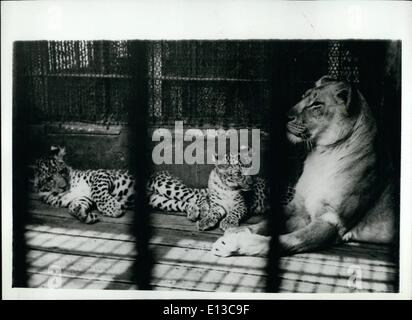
(325, 115)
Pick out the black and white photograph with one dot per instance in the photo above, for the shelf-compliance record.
(206, 165)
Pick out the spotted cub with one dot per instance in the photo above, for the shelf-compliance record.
(229, 188)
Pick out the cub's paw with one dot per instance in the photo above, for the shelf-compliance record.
(207, 223)
(81, 214)
(259, 210)
(91, 218)
(204, 210)
(228, 223)
(193, 212)
(347, 237)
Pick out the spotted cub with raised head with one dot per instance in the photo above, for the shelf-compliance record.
(228, 187)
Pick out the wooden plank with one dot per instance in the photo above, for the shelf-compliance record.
(170, 276)
(338, 276)
(326, 271)
(87, 272)
(81, 245)
(205, 259)
(199, 240)
(327, 260)
(367, 251)
(40, 208)
(292, 286)
(374, 254)
(354, 256)
(171, 220)
(188, 278)
(203, 241)
(105, 230)
(59, 225)
(123, 250)
(40, 280)
(166, 237)
(378, 280)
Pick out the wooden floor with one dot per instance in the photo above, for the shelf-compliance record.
(100, 256)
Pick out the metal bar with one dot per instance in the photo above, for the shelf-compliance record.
(277, 169)
(140, 163)
(20, 177)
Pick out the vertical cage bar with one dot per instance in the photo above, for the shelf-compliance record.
(20, 174)
(276, 168)
(140, 163)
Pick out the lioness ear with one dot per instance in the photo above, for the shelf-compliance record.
(347, 96)
(344, 95)
(325, 79)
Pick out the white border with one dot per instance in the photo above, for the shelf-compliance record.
(185, 19)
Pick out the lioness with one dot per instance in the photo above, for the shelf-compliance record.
(343, 193)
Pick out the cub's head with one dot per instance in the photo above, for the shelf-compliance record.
(325, 115)
(233, 169)
(51, 173)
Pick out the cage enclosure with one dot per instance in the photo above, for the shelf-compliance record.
(104, 101)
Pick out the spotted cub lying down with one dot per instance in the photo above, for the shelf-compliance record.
(111, 192)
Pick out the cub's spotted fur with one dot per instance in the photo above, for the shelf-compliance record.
(227, 187)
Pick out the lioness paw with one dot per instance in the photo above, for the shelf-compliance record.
(242, 243)
(226, 246)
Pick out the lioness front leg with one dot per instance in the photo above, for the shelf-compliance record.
(319, 232)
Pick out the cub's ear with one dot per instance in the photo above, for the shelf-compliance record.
(246, 154)
(214, 157)
(325, 79)
(218, 160)
(58, 152)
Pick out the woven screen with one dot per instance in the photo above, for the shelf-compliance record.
(204, 83)
(209, 83)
